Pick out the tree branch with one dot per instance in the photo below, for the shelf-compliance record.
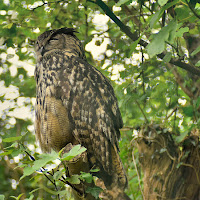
(134, 36)
(192, 9)
(180, 81)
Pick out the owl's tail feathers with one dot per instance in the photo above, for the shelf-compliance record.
(111, 193)
(119, 175)
(119, 180)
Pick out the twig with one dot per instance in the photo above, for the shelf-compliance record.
(142, 111)
(180, 81)
(126, 128)
(188, 165)
(138, 175)
(174, 110)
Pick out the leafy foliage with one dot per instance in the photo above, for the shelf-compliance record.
(77, 150)
(149, 89)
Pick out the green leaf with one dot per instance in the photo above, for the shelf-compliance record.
(94, 191)
(75, 151)
(167, 57)
(162, 2)
(44, 159)
(134, 45)
(8, 26)
(155, 18)
(94, 170)
(74, 179)
(2, 197)
(34, 190)
(188, 111)
(181, 137)
(6, 153)
(11, 139)
(30, 198)
(182, 13)
(157, 45)
(181, 31)
(195, 51)
(14, 144)
(179, 164)
(27, 171)
(198, 102)
(158, 14)
(120, 2)
(87, 177)
(197, 64)
(16, 152)
(57, 175)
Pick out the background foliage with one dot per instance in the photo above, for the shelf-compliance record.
(149, 88)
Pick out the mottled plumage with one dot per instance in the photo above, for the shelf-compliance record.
(76, 104)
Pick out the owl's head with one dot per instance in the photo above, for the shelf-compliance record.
(58, 39)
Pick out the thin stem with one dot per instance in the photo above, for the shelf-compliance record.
(192, 9)
(141, 111)
(138, 175)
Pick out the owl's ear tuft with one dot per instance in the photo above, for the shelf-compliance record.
(68, 31)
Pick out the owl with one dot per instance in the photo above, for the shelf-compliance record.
(75, 103)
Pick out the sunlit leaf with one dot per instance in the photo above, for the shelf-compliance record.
(181, 31)
(162, 2)
(27, 172)
(76, 150)
(74, 179)
(2, 197)
(157, 45)
(120, 2)
(12, 139)
(44, 159)
(8, 26)
(95, 170)
(6, 153)
(155, 18)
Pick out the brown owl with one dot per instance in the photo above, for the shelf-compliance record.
(75, 103)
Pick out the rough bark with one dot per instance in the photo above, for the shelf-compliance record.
(171, 171)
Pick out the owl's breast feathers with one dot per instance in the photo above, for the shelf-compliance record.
(76, 103)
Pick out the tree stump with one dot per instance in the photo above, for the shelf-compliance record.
(171, 171)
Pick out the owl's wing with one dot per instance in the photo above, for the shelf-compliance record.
(92, 107)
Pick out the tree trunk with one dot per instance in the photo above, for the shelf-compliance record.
(171, 171)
